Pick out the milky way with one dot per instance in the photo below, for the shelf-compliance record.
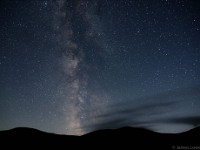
(73, 34)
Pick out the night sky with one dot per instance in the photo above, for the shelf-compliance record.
(75, 66)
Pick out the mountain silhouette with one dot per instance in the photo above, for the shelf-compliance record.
(126, 137)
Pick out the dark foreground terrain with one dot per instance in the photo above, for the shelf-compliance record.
(123, 138)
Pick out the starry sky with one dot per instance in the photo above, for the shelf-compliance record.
(75, 66)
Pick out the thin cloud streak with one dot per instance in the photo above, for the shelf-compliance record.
(156, 107)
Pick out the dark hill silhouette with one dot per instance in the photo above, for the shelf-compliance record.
(127, 137)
